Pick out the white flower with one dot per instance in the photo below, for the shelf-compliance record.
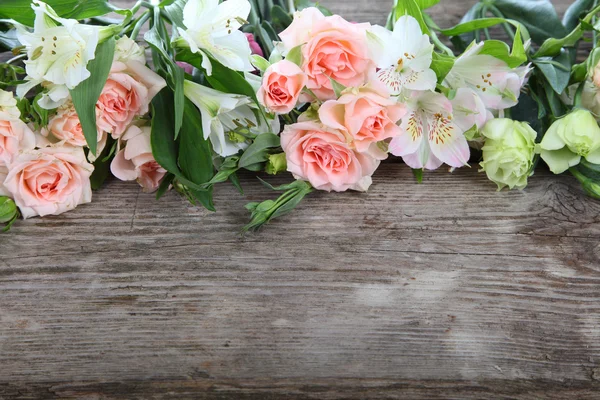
(128, 50)
(492, 79)
(58, 53)
(226, 117)
(213, 30)
(404, 57)
(431, 135)
(8, 104)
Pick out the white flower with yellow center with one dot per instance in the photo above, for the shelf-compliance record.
(213, 31)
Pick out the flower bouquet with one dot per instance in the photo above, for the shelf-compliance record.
(276, 86)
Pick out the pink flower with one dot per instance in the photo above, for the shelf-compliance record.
(136, 162)
(335, 48)
(188, 68)
(15, 136)
(281, 87)
(254, 46)
(322, 156)
(65, 125)
(127, 93)
(50, 180)
(368, 114)
(3, 174)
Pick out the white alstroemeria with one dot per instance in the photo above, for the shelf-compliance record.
(58, 49)
(468, 110)
(8, 104)
(430, 134)
(213, 30)
(404, 56)
(127, 50)
(492, 79)
(226, 118)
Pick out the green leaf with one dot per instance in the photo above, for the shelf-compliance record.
(418, 173)
(410, 7)
(260, 63)
(86, 94)
(501, 50)
(538, 16)
(302, 4)
(472, 25)
(102, 166)
(280, 18)
(556, 70)
(423, 4)
(295, 55)
(195, 155)
(575, 12)
(166, 182)
(21, 11)
(174, 12)
(338, 88)
(441, 64)
(258, 151)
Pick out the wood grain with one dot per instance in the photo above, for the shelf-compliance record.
(447, 289)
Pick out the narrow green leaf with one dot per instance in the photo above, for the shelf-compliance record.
(575, 12)
(472, 25)
(86, 94)
(295, 55)
(338, 88)
(538, 16)
(424, 4)
(258, 151)
(410, 7)
(21, 11)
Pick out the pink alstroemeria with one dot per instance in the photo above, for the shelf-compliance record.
(430, 134)
(492, 79)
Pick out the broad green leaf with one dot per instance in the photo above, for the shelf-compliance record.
(260, 63)
(86, 94)
(575, 12)
(557, 70)
(21, 11)
(472, 25)
(258, 151)
(295, 55)
(441, 64)
(174, 12)
(175, 76)
(338, 88)
(195, 155)
(410, 7)
(538, 16)
(280, 18)
(164, 185)
(501, 50)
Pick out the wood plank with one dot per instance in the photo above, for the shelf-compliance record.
(447, 289)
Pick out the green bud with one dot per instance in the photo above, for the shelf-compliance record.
(591, 186)
(508, 152)
(276, 163)
(8, 212)
(569, 139)
(235, 137)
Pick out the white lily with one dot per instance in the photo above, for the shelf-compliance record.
(58, 54)
(213, 30)
(492, 79)
(226, 117)
(430, 134)
(404, 57)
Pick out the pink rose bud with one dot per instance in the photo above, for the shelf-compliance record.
(281, 87)
(188, 68)
(323, 157)
(254, 46)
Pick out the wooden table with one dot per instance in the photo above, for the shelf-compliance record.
(447, 289)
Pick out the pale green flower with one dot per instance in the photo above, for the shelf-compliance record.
(570, 138)
(508, 152)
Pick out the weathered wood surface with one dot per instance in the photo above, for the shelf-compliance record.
(447, 289)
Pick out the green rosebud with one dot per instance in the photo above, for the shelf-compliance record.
(8, 212)
(276, 163)
(508, 152)
(570, 138)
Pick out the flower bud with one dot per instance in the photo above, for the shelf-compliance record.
(276, 163)
(570, 138)
(8, 211)
(508, 152)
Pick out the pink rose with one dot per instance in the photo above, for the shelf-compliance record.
(136, 162)
(335, 48)
(127, 93)
(281, 87)
(254, 46)
(322, 156)
(368, 114)
(65, 125)
(15, 136)
(49, 181)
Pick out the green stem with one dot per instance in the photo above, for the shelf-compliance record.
(17, 58)
(138, 25)
(507, 28)
(438, 43)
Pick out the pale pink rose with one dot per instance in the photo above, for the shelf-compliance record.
(65, 126)
(322, 156)
(136, 162)
(15, 136)
(50, 180)
(367, 113)
(281, 86)
(332, 48)
(127, 93)
(3, 173)
(254, 46)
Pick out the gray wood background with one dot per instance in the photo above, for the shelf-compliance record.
(442, 290)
